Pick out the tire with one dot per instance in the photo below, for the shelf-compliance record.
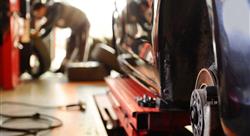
(106, 55)
(86, 71)
(183, 48)
(41, 56)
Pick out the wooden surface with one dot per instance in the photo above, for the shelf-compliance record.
(53, 90)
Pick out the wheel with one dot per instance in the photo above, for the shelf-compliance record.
(204, 105)
(39, 60)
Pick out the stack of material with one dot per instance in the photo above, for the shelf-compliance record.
(103, 59)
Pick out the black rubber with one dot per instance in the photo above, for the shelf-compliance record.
(106, 54)
(86, 71)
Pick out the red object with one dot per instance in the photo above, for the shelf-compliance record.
(14, 5)
(1, 64)
(140, 121)
(9, 54)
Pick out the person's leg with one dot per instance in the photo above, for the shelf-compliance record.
(71, 45)
(82, 40)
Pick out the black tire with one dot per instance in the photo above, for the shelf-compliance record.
(106, 54)
(183, 48)
(41, 53)
(86, 71)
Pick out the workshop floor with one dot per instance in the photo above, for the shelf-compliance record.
(53, 90)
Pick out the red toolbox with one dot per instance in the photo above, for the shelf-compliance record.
(9, 53)
(137, 120)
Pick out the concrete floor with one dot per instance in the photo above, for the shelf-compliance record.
(54, 90)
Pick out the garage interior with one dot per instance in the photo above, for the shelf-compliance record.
(150, 68)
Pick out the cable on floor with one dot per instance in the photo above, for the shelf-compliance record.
(32, 124)
(77, 106)
(47, 123)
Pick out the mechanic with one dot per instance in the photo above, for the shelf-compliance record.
(63, 15)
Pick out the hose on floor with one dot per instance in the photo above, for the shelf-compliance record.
(31, 124)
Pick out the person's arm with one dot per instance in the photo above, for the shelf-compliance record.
(53, 15)
(46, 32)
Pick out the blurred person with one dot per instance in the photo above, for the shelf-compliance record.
(63, 15)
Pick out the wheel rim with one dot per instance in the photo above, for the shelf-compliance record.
(200, 110)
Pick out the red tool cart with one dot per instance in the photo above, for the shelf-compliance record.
(9, 53)
(119, 108)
